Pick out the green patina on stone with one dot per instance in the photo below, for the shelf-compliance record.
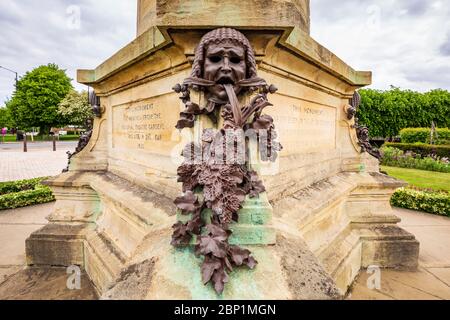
(253, 227)
(184, 269)
(362, 168)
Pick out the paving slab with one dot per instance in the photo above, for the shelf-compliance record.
(401, 285)
(6, 272)
(39, 161)
(12, 239)
(27, 215)
(441, 273)
(15, 226)
(45, 284)
(432, 280)
(412, 218)
(434, 245)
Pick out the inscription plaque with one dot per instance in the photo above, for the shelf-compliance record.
(304, 127)
(145, 125)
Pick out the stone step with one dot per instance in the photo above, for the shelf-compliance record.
(399, 248)
(357, 248)
(130, 213)
(103, 261)
(338, 250)
(57, 244)
(342, 259)
(143, 207)
(254, 226)
(317, 211)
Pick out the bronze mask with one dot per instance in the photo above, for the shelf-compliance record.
(225, 63)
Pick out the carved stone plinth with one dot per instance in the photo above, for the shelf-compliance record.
(325, 213)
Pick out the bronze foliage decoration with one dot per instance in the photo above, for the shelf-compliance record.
(215, 176)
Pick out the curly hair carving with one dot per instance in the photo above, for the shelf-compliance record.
(218, 36)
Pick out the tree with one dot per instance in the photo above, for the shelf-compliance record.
(37, 96)
(5, 118)
(75, 108)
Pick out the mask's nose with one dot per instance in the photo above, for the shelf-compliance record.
(226, 65)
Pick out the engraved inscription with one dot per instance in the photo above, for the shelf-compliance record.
(143, 125)
(306, 127)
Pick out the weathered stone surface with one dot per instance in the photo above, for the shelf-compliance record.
(306, 277)
(286, 270)
(45, 284)
(197, 13)
(133, 283)
(354, 227)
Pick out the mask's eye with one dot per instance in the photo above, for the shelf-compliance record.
(215, 59)
(235, 60)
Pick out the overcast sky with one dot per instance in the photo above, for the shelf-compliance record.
(405, 43)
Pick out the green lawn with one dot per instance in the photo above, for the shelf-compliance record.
(68, 137)
(8, 138)
(419, 178)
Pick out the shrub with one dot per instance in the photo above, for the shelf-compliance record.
(17, 186)
(23, 193)
(394, 157)
(423, 135)
(423, 149)
(436, 202)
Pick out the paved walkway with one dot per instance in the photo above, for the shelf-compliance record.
(15, 226)
(432, 280)
(20, 283)
(39, 161)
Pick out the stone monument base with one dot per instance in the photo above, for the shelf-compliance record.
(120, 234)
(327, 210)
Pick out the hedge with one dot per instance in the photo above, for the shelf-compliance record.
(23, 193)
(423, 135)
(425, 150)
(435, 202)
(385, 113)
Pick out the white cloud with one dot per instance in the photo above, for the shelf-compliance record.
(404, 42)
(34, 33)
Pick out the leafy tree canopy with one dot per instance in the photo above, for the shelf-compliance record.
(5, 118)
(37, 96)
(75, 108)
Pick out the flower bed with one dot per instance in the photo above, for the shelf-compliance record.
(394, 157)
(422, 149)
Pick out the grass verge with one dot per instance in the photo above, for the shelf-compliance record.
(437, 181)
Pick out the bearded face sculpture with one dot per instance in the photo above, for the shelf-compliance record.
(225, 63)
(224, 58)
(224, 69)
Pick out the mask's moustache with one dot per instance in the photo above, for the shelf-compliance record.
(245, 83)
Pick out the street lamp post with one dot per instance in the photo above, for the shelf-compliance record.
(17, 75)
